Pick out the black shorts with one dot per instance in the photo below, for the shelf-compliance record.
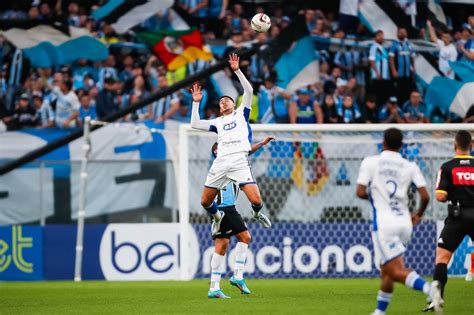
(231, 224)
(454, 232)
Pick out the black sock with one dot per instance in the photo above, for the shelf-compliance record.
(257, 208)
(441, 274)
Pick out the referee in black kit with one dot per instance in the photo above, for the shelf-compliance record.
(456, 186)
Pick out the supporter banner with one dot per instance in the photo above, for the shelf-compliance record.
(53, 43)
(322, 250)
(119, 252)
(21, 253)
(152, 251)
(118, 169)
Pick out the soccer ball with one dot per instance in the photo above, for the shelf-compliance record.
(260, 23)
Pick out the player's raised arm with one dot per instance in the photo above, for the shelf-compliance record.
(248, 89)
(196, 121)
(257, 146)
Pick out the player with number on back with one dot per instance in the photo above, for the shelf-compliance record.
(384, 179)
(234, 137)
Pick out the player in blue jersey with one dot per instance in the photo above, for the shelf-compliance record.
(231, 224)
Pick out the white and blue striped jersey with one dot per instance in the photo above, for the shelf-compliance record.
(233, 131)
(388, 177)
(379, 54)
(402, 53)
(227, 197)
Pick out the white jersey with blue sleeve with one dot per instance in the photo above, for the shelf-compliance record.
(388, 177)
(233, 131)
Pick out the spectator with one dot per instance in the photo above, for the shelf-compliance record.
(370, 112)
(44, 116)
(87, 109)
(402, 64)
(45, 11)
(447, 51)
(166, 107)
(107, 70)
(329, 110)
(467, 49)
(67, 105)
(378, 58)
(106, 101)
(24, 114)
(272, 102)
(127, 71)
(33, 13)
(391, 113)
(73, 19)
(108, 36)
(348, 113)
(348, 15)
(310, 16)
(414, 110)
(139, 93)
(466, 31)
(331, 83)
(304, 109)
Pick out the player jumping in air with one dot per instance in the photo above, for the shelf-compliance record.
(232, 224)
(234, 137)
(385, 179)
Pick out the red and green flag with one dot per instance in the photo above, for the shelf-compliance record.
(176, 48)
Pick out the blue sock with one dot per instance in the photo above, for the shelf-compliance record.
(416, 282)
(212, 208)
(383, 299)
(257, 208)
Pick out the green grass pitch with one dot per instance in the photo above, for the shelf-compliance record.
(309, 296)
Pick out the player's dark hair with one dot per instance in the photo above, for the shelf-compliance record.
(393, 139)
(378, 32)
(463, 140)
(227, 97)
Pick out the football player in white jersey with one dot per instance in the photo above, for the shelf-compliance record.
(384, 179)
(234, 137)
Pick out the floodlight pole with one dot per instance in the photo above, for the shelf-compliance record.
(81, 213)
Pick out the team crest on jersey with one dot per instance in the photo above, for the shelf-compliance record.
(230, 126)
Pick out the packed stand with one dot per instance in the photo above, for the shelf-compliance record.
(374, 85)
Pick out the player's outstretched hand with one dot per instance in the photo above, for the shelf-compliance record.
(268, 139)
(234, 62)
(196, 92)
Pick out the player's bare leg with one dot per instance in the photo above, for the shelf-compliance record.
(253, 195)
(218, 258)
(237, 279)
(208, 203)
(395, 271)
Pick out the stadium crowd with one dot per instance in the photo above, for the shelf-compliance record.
(374, 86)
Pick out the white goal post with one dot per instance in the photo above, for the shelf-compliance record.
(331, 145)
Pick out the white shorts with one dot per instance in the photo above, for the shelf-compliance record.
(390, 243)
(233, 167)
